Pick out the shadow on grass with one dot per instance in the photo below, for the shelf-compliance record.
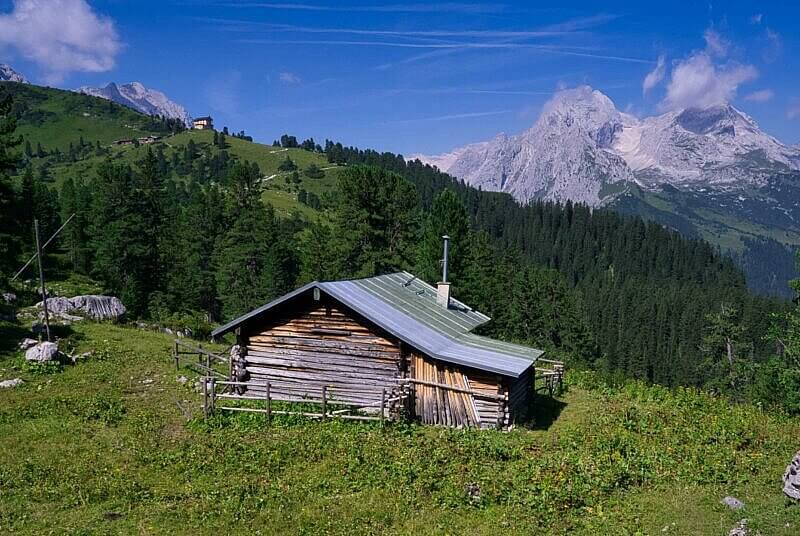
(10, 335)
(545, 410)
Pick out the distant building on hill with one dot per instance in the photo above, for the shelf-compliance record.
(203, 123)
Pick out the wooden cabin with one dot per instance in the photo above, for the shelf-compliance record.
(363, 338)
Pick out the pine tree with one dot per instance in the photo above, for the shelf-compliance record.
(9, 238)
(253, 261)
(446, 217)
(376, 221)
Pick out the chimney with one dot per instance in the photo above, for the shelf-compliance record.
(443, 288)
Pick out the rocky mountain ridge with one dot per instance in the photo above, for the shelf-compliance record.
(140, 98)
(583, 149)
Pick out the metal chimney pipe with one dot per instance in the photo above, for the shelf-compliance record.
(444, 259)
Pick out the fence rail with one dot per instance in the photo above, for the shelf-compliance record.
(552, 379)
(205, 358)
(215, 389)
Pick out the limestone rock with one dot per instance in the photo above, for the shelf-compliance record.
(733, 503)
(791, 478)
(9, 297)
(7, 384)
(740, 529)
(26, 343)
(44, 352)
(93, 306)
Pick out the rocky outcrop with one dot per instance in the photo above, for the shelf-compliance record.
(791, 478)
(44, 352)
(140, 98)
(91, 306)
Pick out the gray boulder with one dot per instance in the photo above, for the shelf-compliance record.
(44, 352)
(740, 529)
(92, 306)
(8, 384)
(733, 503)
(791, 478)
(57, 305)
(26, 343)
(99, 307)
(9, 297)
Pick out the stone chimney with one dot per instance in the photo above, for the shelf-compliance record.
(443, 288)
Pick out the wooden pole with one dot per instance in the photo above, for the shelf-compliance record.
(41, 278)
(269, 406)
(205, 397)
(43, 246)
(175, 354)
(213, 393)
(383, 406)
(324, 401)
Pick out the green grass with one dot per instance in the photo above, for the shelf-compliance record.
(98, 448)
(277, 191)
(55, 117)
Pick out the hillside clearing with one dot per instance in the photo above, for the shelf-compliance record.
(102, 447)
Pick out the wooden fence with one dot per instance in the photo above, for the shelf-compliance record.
(205, 359)
(215, 390)
(552, 378)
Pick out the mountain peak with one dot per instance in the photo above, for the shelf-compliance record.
(142, 99)
(583, 149)
(8, 74)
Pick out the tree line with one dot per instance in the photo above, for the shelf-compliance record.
(596, 288)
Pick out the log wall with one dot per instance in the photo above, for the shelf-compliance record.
(304, 350)
(438, 405)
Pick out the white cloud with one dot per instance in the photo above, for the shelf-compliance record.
(756, 19)
(289, 78)
(655, 76)
(762, 95)
(715, 44)
(702, 79)
(61, 36)
(698, 82)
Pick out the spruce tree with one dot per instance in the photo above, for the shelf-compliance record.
(447, 216)
(9, 229)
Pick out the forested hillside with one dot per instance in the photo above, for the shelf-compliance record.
(204, 226)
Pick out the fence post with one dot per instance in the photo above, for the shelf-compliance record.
(269, 406)
(383, 405)
(324, 401)
(175, 354)
(213, 394)
(205, 396)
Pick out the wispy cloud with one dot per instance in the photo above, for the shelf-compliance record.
(762, 95)
(445, 7)
(61, 37)
(239, 25)
(581, 23)
(448, 117)
(549, 49)
(793, 112)
(289, 78)
(757, 18)
(655, 76)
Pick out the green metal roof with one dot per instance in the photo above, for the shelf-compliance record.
(406, 307)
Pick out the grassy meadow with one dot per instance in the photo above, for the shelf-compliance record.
(115, 444)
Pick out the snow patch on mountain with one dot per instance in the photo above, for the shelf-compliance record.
(583, 149)
(142, 99)
(8, 74)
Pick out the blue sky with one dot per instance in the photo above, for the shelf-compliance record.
(414, 76)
